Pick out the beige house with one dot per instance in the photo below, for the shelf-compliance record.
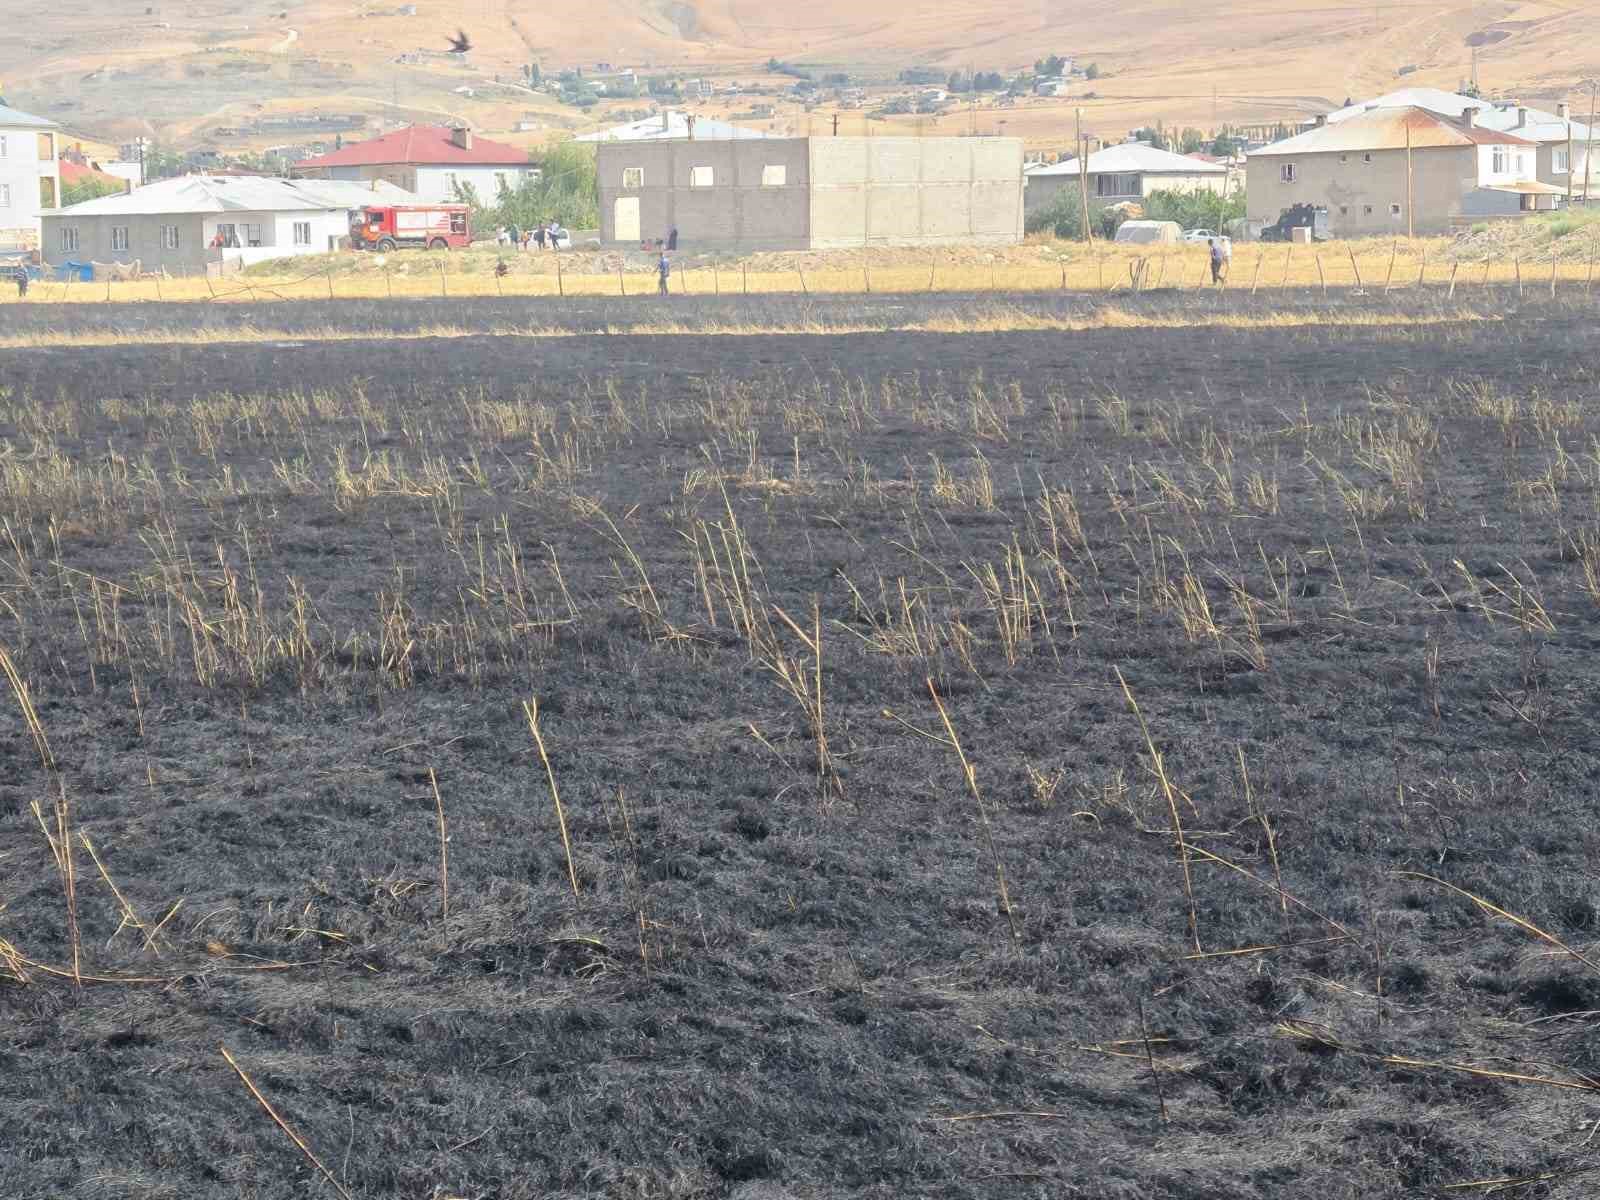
(1398, 170)
(1129, 171)
(1563, 142)
(811, 193)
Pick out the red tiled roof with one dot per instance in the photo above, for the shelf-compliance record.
(75, 173)
(419, 145)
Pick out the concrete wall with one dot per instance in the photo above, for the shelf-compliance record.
(915, 191)
(1359, 195)
(195, 232)
(28, 156)
(738, 211)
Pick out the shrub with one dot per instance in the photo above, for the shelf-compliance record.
(1063, 217)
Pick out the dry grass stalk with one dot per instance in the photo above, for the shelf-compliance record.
(294, 1137)
(1158, 766)
(1493, 909)
(1305, 1031)
(1266, 827)
(444, 850)
(1243, 950)
(971, 778)
(130, 915)
(532, 712)
(1150, 1061)
(1207, 856)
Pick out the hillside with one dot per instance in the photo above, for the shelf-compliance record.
(178, 72)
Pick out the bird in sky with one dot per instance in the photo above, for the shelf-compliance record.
(460, 44)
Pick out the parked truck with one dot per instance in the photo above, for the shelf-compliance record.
(1299, 216)
(389, 227)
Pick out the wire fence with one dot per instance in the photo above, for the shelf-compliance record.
(1352, 266)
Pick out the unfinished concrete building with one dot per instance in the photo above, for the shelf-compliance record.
(812, 193)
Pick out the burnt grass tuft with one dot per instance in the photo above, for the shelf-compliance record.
(262, 596)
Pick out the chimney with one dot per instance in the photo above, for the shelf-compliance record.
(461, 137)
(1522, 117)
(1470, 118)
(1322, 119)
(1564, 110)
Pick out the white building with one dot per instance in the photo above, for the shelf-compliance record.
(673, 126)
(431, 161)
(1123, 172)
(212, 222)
(30, 177)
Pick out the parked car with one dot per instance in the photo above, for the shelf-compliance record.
(1199, 235)
(1299, 216)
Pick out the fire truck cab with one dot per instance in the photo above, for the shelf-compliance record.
(389, 227)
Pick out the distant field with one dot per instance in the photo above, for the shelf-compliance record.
(182, 69)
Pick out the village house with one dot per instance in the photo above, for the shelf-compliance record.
(1398, 170)
(430, 161)
(1128, 171)
(1563, 142)
(670, 125)
(812, 193)
(199, 223)
(30, 177)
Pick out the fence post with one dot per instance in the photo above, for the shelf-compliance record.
(1356, 267)
(802, 275)
(1256, 274)
(108, 285)
(1422, 271)
(1552, 277)
(329, 278)
(622, 281)
(866, 275)
(934, 266)
(1594, 243)
(1321, 278)
(1288, 253)
(561, 287)
(444, 289)
(1516, 263)
(716, 281)
(1394, 252)
(1063, 275)
(1451, 294)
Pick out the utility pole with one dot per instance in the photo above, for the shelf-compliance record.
(1410, 189)
(1588, 142)
(1083, 179)
(835, 124)
(1571, 166)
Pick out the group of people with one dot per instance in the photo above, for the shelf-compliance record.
(1221, 256)
(546, 237)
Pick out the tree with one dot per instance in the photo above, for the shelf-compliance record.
(1092, 71)
(90, 189)
(957, 83)
(1062, 217)
(1224, 144)
(1191, 141)
(565, 190)
(1050, 67)
(1195, 210)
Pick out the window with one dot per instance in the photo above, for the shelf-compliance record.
(47, 191)
(227, 236)
(775, 175)
(450, 183)
(458, 223)
(47, 147)
(1529, 203)
(1560, 161)
(1366, 210)
(700, 177)
(251, 234)
(5, 195)
(1497, 159)
(1344, 210)
(1522, 166)
(169, 237)
(632, 178)
(1286, 173)
(1344, 158)
(302, 233)
(1394, 210)
(119, 237)
(69, 237)
(1367, 157)
(1116, 185)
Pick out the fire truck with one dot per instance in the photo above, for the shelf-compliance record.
(389, 227)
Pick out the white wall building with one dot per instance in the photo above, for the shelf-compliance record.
(30, 178)
(211, 222)
(429, 161)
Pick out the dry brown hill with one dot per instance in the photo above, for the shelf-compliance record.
(181, 70)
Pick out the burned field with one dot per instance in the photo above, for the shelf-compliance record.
(1270, 650)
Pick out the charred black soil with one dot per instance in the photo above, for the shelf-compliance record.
(263, 596)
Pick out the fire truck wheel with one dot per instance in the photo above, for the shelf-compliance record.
(438, 244)
(387, 245)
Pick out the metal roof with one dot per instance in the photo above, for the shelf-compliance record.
(1386, 129)
(419, 145)
(1131, 157)
(1501, 115)
(13, 118)
(670, 125)
(240, 193)
(1526, 187)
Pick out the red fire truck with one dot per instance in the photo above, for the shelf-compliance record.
(390, 226)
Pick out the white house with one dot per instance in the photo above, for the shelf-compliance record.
(673, 126)
(30, 177)
(1123, 172)
(429, 161)
(212, 222)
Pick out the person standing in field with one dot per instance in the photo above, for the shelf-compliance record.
(664, 273)
(672, 238)
(1216, 261)
(538, 234)
(22, 282)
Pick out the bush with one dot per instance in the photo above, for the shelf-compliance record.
(1195, 210)
(1063, 217)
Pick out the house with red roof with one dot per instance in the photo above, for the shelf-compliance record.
(428, 160)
